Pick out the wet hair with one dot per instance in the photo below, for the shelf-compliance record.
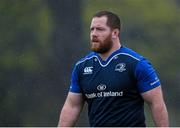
(113, 21)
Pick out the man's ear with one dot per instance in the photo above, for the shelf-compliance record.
(115, 33)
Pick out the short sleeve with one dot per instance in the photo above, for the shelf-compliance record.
(74, 87)
(146, 76)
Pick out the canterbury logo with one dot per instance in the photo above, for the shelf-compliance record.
(88, 70)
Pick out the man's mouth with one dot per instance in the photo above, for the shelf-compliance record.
(95, 40)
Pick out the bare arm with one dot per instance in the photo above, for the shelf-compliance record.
(155, 100)
(71, 110)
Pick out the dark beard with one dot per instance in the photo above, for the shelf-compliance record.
(104, 46)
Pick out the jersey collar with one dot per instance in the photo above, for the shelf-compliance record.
(105, 62)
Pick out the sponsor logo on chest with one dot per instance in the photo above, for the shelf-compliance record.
(103, 92)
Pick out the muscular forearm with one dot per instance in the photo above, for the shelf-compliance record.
(160, 114)
(71, 110)
(68, 117)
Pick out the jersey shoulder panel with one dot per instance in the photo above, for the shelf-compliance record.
(87, 57)
(144, 72)
(74, 86)
(128, 52)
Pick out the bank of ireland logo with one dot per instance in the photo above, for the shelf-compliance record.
(88, 70)
(120, 67)
(101, 87)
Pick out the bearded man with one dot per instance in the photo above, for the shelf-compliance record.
(114, 81)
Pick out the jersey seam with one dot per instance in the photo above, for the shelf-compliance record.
(104, 65)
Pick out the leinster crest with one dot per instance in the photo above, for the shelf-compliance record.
(120, 67)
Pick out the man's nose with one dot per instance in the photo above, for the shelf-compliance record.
(94, 32)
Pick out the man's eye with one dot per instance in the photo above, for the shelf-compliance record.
(91, 29)
(100, 29)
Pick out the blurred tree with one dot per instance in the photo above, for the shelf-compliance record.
(39, 41)
(19, 58)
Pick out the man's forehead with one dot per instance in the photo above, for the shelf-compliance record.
(99, 20)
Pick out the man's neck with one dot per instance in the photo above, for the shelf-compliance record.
(115, 47)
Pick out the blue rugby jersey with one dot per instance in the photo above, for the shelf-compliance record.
(112, 88)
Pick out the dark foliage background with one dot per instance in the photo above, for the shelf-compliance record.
(40, 41)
